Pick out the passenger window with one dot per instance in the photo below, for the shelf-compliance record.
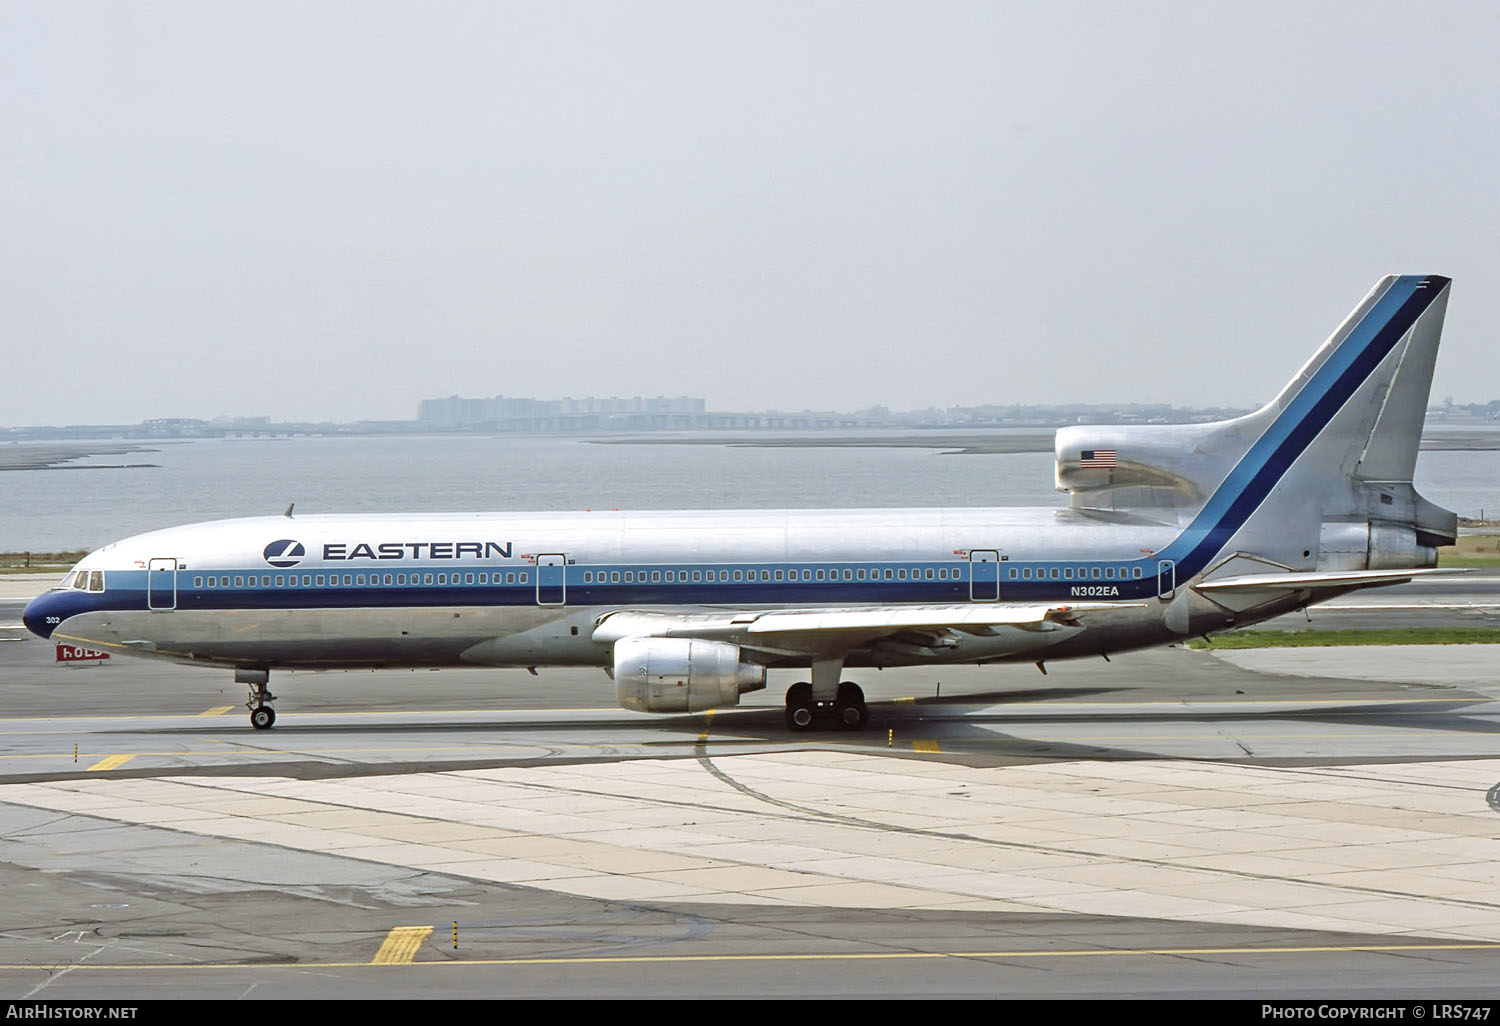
(307, 580)
(1054, 574)
(348, 580)
(468, 579)
(239, 582)
(523, 577)
(737, 575)
(320, 580)
(656, 575)
(1026, 573)
(1135, 572)
(779, 575)
(888, 573)
(1109, 573)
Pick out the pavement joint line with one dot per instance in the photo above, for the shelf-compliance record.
(800, 811)
(1061, 848)
(401, 945)
(850, 956)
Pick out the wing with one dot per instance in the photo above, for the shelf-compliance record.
(830, 629)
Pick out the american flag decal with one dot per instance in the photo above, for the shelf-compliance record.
(1098, 458)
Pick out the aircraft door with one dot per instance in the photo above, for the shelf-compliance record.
(551, 580)
(1166, 579)
(161, 584)
(984, 575)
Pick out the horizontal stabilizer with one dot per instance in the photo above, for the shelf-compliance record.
(1318, 581)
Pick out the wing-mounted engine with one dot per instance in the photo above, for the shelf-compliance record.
(674, 675)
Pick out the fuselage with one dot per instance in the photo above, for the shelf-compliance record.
(528, 589)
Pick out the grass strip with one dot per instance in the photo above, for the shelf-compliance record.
(1386, 636)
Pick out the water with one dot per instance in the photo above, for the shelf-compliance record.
(61, 510)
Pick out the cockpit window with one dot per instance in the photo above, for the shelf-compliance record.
(83, 580)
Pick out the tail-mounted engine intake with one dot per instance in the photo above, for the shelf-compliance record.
(674, 675)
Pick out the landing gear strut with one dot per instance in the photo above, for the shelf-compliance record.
(846, 711)
(262, 715)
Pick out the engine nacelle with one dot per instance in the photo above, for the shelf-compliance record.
(674, 675)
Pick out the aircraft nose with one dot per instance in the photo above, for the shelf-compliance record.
(38, 617)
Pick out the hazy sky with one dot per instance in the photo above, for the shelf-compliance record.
(333, 210)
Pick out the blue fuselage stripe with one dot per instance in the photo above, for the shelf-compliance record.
(1309, 412)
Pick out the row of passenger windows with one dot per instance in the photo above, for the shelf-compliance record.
(355, 580)
(1085, 573)
(1068, 573)
(819, 574)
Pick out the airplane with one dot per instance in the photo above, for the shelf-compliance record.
(1172, 531)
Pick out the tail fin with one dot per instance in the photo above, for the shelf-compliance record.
(1318, 478)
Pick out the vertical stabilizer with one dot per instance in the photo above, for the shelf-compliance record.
(1326, 465)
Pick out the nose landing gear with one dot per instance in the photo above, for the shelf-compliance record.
(262, 715)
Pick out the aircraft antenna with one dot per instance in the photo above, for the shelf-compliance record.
(288, 513)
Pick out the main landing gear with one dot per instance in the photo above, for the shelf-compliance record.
(827, 699)
(262, 715)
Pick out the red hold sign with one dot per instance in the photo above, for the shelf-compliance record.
(74, 654)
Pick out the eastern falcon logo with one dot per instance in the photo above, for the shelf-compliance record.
(284, 553)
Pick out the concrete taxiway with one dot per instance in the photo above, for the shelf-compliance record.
(1172, 823)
